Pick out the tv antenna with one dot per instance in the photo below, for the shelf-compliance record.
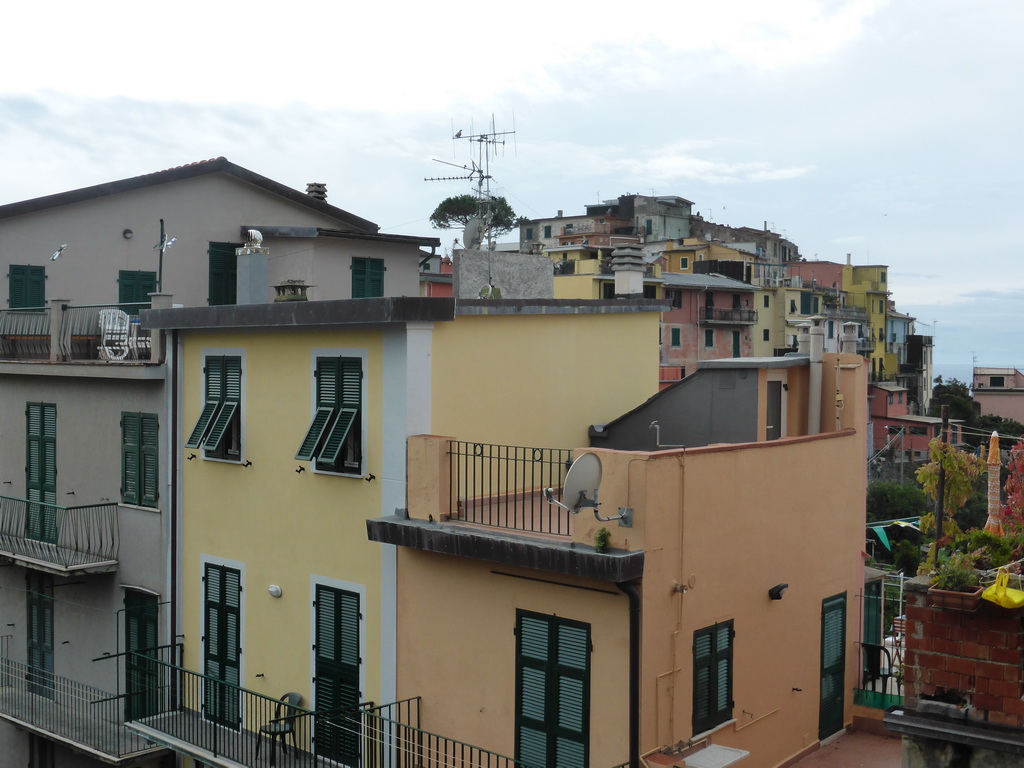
(582, 482)
(478, 172)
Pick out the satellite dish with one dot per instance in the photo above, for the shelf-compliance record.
(583, 477)
(579, 490)
(472, 235)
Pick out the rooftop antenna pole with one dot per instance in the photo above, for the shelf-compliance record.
(479, 171)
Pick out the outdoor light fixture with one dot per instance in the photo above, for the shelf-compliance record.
(776, 592)
(274, 590)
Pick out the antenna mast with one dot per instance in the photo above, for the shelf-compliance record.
(479, 171)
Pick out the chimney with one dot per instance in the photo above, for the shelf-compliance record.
(817, 348)
(849, 259)
(559, 215)
(629, 267)
(317, 190)
(251, 282)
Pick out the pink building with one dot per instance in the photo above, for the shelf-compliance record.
(905, 434)
(711, 318)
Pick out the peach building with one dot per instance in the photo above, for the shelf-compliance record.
(701, 601)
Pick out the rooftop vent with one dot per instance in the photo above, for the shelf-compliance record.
(317, 189)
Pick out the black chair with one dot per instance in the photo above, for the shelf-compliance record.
(280, 726)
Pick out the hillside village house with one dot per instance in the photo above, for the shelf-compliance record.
(688, 636)
(91, 510)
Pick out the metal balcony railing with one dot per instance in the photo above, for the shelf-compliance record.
(104, 332)
(220, 722)
(391, 737)
(736, 316)
(25, 334)
(74, 713)
(108, 332)
(503, 486)
(59, 539)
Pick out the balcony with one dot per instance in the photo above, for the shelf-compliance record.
(224, 725)
(487, 502)
(85, 718)
(66, 333)
(722, 316)
(59, 540)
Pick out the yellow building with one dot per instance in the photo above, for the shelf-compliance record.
(722, 615)
(293, 421)
(867, 287)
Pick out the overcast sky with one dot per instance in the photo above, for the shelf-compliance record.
(887, 130)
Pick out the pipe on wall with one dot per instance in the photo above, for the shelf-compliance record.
(634, 671)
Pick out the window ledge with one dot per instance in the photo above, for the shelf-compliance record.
(140, 507)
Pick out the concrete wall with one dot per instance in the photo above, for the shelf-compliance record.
(516, 275)
(540, 380)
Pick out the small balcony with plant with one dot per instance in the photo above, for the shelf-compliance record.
(491, 502)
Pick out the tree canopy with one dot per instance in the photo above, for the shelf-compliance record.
(957, 395)
(453, 212)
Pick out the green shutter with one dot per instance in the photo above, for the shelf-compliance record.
(367, 278)
(39, 601)
(199, 431)
(149, 454)
(338, 403)
(552, 691)
(227, 377)
(337, 659)
(141, 674)
(223, 273)
(26, 286)
(712, 676)
(41, 471)
(221, 651)
(336, 437)
(134, 287)
(130, 458)
(833, 665)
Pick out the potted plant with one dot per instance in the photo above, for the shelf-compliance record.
(956, 584)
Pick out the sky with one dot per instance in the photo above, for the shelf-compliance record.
(887, 130)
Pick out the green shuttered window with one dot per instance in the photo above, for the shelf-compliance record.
(139, 457)
(367, 278)
(334, 438)
(336, 657)
(41, 471)
(141, 611)
(134, 287)
(26, 286)
(712, 675)
(218, 430)
(222, 608)
(223, 273)
(552, 691)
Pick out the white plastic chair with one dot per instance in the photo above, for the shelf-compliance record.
(113, 334)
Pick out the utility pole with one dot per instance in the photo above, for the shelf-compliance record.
(940, 493)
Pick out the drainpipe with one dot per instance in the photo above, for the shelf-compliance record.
(817, 350)
(634, 671)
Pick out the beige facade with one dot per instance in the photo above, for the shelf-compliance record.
(714, 528)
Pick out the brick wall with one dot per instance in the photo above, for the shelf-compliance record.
(978, 654)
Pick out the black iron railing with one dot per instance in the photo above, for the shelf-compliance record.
(70, 538)
(78, 713)
(723, 315)
(391, 737)
(503, 485)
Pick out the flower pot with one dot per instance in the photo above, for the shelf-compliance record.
(955, 601)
